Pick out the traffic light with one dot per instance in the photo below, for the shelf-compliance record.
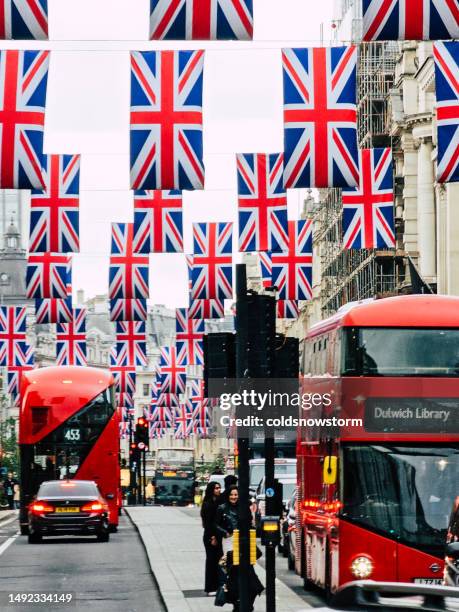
(261, 332)
(287, 359)
(141, 437)
(134, 453)
(219, 360)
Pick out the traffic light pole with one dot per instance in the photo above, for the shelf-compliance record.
(270, 551)
(243, 443)
(144, 453)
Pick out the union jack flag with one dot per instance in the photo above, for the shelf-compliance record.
(125, 399)
(53, 310)
(48, 275)
(447, 84)
(320, 117)
(14, 374)
(23, 81)
(14, 349)
(410, 19)
(125, 376)
(266, 268)
(125, 428)
(287, 309)
(262, 202)
(162, 415)
(172, 370)
(368, 212)
(196, 388)
(71, 340)
(131, 347)
(169, 400)
(128, 310)
(212, 274)
(158, 222)
(189, 335)
(206, 309)
(189, 265)
(166, 120)
(200, 410)
(23, 19)
(125, 379)
(54, 212)
(292, 271)
(183, 422)
(201, 20)
(156, 431)
(128, 276)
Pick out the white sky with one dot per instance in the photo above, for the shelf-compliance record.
(88, 113)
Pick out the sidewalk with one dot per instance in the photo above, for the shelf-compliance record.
(173, 542)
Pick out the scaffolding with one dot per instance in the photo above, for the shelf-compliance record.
(375, 79)
(349, 275)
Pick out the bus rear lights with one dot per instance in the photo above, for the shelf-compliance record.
(362, 567)
(326, 506)
(67, 382)
(93, 507)
(39, 508)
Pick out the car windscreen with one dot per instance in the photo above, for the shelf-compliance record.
(70, 489)
(287, 489)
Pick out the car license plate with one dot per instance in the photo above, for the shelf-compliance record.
(428, 580)
(66, 509)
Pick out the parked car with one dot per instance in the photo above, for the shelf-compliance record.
(68, 507)
(288, 486)
(451, 573)
(283, 467)
(289, 532)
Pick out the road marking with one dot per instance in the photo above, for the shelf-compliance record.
(8, 543)
(8, 521)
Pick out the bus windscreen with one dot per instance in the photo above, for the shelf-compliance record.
(382, 351)
(403, 492)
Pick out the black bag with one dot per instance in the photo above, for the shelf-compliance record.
(220, 597)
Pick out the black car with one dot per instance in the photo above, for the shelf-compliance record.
(68, 507)
(451, 575)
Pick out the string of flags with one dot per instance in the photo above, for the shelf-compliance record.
(166, 159)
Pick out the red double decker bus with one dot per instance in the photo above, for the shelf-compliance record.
(378, 472)
(69, 428)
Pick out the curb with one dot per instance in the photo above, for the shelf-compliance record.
(170, 594)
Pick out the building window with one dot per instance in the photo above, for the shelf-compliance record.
(146, 390)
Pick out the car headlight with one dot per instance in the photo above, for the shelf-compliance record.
(362, 567)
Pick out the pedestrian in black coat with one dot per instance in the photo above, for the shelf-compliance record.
(212, 543)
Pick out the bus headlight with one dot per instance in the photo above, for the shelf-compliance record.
(362, 567)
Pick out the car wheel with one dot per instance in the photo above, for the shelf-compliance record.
(103, 537)
(113, 528)
(35, 538)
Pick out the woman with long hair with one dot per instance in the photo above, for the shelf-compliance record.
(212, 543)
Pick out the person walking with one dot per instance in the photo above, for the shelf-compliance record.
(8, 488)
(230, 481)
(212, 544)
(17, 496)
(227, 521)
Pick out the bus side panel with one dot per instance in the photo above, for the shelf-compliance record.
(417, 564)
(102, 465)
(356, 541)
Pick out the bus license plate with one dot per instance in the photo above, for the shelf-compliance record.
(67, 509)
(428, 580)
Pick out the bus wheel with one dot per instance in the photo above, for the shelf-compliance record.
(24, 529)
(113, 528)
